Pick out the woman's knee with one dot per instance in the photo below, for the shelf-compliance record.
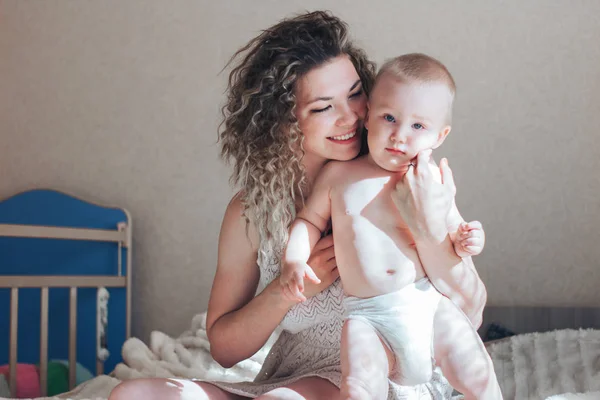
(311, 388)
(165, 389)
(133, 389)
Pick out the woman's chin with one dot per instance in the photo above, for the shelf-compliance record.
(346, 154)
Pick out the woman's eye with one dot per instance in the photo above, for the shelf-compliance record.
(320, 110)
(356, 94)
(389, 118)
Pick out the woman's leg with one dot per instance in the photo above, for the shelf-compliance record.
(366, 363)
(312, 388)
(169, 389)
(462, 356)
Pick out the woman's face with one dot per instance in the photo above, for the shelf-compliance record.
(331, 106)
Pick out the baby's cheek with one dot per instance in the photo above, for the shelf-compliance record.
(418, 142)
(426, 141)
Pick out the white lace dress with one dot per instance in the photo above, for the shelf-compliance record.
(310, 346)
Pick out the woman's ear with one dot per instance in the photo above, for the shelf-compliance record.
(442, 136)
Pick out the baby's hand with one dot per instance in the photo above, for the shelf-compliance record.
(292, 280)
(470, 239)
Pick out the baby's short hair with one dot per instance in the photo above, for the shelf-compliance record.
(421, 68)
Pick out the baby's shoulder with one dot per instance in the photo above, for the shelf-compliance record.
(331, 172)
(334, 166)
(341, 172)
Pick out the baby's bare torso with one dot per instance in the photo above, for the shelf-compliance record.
(374, 248)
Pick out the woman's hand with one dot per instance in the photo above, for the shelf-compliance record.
(424, 201)
(322, 261)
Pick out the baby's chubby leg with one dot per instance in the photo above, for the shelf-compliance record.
(461, 354)
(366, 363)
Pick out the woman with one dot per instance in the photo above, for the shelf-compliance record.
(297, 99)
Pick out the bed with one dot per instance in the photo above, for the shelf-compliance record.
(544, 352)
(65, 291)
(81, 251)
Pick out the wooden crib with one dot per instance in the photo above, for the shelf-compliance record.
(39, 227)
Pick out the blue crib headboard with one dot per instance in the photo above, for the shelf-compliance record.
(42, 256)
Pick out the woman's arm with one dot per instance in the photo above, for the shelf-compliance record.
(239, 324)
(454, 277)
(424, 202)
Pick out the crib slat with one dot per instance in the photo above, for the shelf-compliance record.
(128, 286)
(72, 336)
(99, 368)
(14, 318)
(53, 232)
(44, 342)
(62, 281)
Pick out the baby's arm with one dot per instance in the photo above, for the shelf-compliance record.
(305, 232)
(468, 238)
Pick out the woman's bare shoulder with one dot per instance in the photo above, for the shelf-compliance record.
(237, 226)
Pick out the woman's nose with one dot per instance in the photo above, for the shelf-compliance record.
(347, 117)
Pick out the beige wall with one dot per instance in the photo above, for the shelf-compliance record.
(117, 102)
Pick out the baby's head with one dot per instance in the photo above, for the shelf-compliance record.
(410, 109)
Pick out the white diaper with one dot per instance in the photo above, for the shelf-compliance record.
(404, 322)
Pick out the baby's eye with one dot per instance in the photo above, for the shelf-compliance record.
(418, 126)
(389, 118)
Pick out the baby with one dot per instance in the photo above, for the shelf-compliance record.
(396, 320)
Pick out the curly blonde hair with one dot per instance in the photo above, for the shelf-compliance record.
(260, 132)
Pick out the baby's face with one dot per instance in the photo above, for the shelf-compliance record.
(405, 119)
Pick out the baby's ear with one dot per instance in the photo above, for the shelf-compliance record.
(366, 123)
(442, 136)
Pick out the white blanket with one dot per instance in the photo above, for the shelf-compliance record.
(187, 356)
(559, 365)
(540, 365)
(576, 396)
